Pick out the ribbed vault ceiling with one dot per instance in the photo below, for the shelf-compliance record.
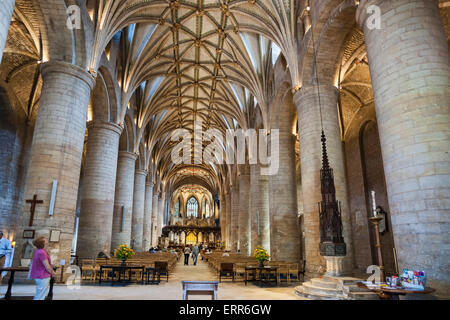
(187, 62)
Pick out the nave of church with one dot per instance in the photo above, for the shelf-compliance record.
(310, 138)
(171, 290)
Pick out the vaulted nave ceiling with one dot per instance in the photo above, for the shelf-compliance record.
(188, 61)
(181, 61)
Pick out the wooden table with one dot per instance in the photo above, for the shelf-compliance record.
(200, 288)
(13, 270)
(387, 293)
(261, 269)
(121, 269)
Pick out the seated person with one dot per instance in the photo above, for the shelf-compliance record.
(104, 254)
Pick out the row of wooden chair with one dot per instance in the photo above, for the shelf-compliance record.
(234, 266)
(283, 272)
(165, 262)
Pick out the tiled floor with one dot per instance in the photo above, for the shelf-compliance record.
(166, 290)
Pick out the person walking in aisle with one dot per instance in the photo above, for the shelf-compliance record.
(187, 252)
(195, 252)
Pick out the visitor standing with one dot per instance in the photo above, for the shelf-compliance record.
(187, 252)
(41, 268)
(5, 253)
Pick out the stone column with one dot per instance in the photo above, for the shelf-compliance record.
(228, 226)
(160, 216)
(147, 232)
(223, 216)
(244, 207)
(259, 208)
(284, 229)
(155, 213)
(6, 11)
(56, 153)
(123, 201)
(410, 71)
(234, 218)
(97, 190)
(137, 221)
(308, 112)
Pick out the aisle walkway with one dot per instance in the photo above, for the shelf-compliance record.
(171, 290)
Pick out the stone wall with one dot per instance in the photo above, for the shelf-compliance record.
(15, 141)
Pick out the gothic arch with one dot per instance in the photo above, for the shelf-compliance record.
(330, 29)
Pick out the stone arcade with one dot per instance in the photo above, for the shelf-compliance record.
(91, 95)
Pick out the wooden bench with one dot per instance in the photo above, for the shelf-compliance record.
(200, 288)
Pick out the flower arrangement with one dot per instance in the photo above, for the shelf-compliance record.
(123, 252)
(260, 254)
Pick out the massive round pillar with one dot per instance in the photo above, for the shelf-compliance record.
(6, 11)
(284, 230)
(234, 232)
(410, 71)
(155, 212)
(308, 111)
(137, 221)
(244, 215)
(123, 201)
(223, 216)
(148, 208)
(228, 225)
(97, 190)
(259, 209)
(55, 155)
(160, 216)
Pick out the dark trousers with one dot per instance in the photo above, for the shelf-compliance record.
(186, 259)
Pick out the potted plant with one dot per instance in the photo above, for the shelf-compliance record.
(261, 255)
(123, 252)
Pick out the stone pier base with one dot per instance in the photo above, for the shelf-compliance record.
(334, 266)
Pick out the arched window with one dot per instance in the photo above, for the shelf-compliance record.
(192, 207)
(207, 213)
(177, 208)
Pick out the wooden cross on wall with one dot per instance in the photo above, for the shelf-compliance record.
(33, 202)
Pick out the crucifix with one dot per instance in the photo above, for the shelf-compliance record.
(33, 207)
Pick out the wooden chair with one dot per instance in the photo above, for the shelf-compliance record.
(239, 270)
(163, 268)
(87, 267)
(226, 270)
(283, 273)
(293, 271)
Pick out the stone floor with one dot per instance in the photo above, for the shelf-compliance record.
(166, 290)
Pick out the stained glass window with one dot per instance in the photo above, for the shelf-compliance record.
(192, 207)
(177, 208)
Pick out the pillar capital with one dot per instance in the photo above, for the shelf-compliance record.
(141, 172)
(314, 90)
(98, 124)
(55, 66)
(127, 154)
